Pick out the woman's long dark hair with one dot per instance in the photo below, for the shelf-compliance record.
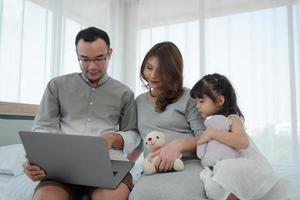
(213, 85)
(170, 73)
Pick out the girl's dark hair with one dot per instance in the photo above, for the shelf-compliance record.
(213, 85)
(170, 73)
(91, 34)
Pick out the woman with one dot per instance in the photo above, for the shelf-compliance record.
(167, 107)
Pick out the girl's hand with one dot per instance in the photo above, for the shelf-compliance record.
(166, 156)
(206, 136)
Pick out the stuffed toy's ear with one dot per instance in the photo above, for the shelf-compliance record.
(219, 122)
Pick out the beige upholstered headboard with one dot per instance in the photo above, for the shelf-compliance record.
(13, 118)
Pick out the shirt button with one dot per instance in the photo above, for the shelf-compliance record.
(93, 89)
(89, 119)
(91, 103)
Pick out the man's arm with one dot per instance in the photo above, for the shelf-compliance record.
(46, 120)
(114, 140)
(48, 114)
(127, 138)
(135, 154)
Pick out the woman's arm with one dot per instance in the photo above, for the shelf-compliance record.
(170, 152)
(186, 145)
(236, 137)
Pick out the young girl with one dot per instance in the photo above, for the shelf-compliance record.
(248, 177)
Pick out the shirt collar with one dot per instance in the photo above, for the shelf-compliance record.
(104, 78)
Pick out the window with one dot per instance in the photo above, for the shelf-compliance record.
(37, 42)
(252, 49)
(70, 63)
(35, 50)
(10, 56)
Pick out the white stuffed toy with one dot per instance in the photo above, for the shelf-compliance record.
(214, 151)
(153, 141)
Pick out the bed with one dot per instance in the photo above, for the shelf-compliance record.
(15, 185)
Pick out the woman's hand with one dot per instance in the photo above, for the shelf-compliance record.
(166, 156)
(34, 172)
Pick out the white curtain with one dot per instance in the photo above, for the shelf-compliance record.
(255, 43)
(37, 41)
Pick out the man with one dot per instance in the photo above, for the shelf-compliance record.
(87, 103)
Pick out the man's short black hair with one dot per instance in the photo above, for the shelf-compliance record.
(91, 34)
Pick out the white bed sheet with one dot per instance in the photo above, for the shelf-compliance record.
(292, 173)
(4, 179)
(21, 187)
(16, 187)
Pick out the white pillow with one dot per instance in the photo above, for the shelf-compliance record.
(12, 158)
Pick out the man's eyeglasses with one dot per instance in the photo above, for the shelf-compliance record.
(98, 60)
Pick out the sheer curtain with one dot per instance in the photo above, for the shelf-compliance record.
(255, 43)
(37, 41)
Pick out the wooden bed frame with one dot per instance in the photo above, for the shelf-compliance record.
(17, 109)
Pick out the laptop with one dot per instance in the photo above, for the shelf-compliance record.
(74, 159)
